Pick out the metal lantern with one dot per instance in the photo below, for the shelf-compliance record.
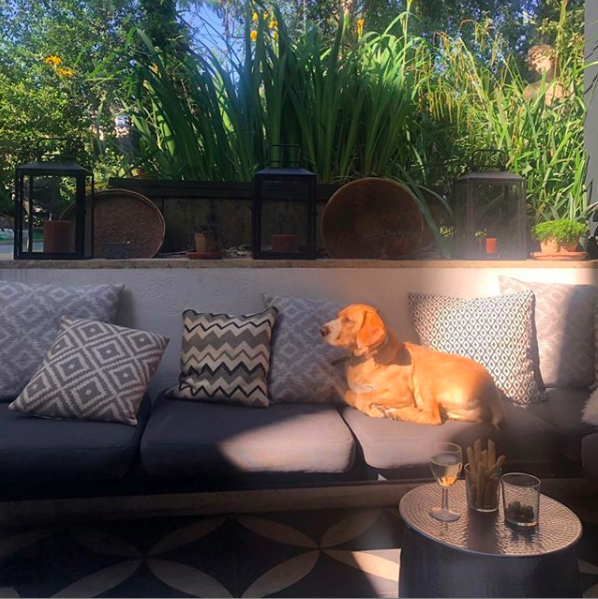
(284, 207)
(490, 215)
(43, 190)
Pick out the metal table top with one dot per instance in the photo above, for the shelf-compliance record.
(488, 534)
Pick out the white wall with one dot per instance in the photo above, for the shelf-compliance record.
(155, 297)
(591, 128)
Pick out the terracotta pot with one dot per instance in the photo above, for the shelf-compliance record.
(550, 246)
(58, 237)
(397, 247)
(284, 243)
(491, 245)
(204, 243)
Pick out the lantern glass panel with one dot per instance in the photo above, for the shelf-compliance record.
(45, 198)
(285, 214)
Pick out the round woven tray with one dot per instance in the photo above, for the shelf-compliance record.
(372, 218)
(126, 218)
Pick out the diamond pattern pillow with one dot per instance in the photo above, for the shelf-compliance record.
(496, 332)
(225, 358)
(29, 321)
(94, 371)
(301, 369)
(564, 319)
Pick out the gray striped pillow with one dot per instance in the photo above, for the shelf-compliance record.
(225, 358)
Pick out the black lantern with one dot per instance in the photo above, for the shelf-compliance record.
(490, 215)
(284, 207)
(44, 189)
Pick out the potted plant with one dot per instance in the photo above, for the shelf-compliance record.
(559, 236)
(206, 239)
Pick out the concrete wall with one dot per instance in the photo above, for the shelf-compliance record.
(155, 297)
(591, 128)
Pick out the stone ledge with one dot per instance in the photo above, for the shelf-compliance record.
(169, 263)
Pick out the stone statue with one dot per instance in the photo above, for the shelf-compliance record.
(542, 60)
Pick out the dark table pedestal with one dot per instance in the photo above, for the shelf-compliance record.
(431, 569)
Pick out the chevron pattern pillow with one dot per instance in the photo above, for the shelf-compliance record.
(496, 332)
(29, 322)
(225, 358)
(94, 371)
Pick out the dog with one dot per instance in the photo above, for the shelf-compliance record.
(405, 381)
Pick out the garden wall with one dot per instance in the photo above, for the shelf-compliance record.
(157, 291)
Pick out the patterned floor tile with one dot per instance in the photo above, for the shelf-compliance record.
(322, 553)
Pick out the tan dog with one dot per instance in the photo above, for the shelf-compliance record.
(405, 381)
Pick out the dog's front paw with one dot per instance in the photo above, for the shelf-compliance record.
(376, 410)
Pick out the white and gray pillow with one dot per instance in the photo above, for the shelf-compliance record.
(564, 319)
(496, 332)
(93, 371)
(225, 358)
(301, 369)
(29, 322)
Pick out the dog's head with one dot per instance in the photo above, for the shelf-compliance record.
(357, 327)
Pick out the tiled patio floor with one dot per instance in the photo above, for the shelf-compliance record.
(325, 553)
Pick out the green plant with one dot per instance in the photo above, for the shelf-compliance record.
(561, 231)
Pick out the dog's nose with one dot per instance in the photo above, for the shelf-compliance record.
(324, 331)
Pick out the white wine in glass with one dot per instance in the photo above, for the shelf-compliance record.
(446, 463)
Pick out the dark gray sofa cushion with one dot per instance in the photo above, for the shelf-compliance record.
(589, 454)
(202, 439)
(36, 449)
(562, 409)
(390, 445)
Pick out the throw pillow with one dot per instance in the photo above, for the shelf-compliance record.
(301, 370)
(225, 358)
(94, 371)
(29, 321)
(564, 319)
(496, 332)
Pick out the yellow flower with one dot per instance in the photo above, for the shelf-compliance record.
(274, 35)
(65, 72)
(273, 24)
(254, 17)
(266, 15)
(253, 36)
(360, 24)
(53, 60)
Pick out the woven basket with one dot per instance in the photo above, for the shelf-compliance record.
(372, 218)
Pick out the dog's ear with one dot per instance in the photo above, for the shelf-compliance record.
(371, 334)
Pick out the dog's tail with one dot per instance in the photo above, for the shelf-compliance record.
(497, 414)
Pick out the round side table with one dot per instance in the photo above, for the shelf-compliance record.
(480, 555)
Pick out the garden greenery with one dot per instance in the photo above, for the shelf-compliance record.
(562, 231)
(388, 104)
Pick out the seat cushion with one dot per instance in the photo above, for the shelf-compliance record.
(562, 409)
(389, 444)
(589, 454)
(35, 449)
(187, 438)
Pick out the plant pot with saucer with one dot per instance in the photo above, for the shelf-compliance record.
(559, 239)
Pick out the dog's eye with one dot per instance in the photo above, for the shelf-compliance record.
(347, 321)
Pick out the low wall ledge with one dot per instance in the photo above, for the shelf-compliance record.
(168, 263)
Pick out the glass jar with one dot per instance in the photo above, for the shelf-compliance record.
(521, 498)
(482, 492)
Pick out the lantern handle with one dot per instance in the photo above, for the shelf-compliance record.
(285, 160)
(480, 163)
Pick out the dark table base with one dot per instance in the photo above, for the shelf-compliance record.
(430, 569)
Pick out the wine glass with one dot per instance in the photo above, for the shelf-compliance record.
(446, 462)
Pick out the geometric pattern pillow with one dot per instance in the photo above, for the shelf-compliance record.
(496, 332)
(564, 318)
(301, 369)
(94, 371)
(225, 358)
(29, 321)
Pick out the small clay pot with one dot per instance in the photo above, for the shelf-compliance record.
(491, 245)
(550, 246)
(283, 243)
(58, 237)
(204, 243)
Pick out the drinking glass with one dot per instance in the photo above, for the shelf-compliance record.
(521, 498)
(446, 462)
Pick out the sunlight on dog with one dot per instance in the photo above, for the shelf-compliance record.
(405, 381)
